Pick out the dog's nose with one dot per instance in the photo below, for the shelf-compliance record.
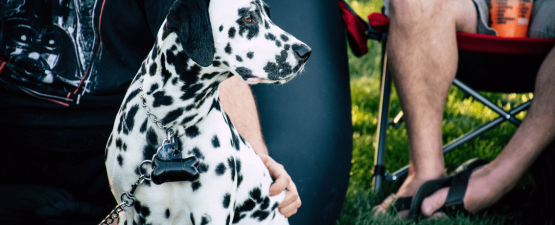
(302, 52)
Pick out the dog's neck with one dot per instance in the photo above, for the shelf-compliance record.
(177, 90)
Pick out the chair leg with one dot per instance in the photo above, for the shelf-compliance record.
(379, 157)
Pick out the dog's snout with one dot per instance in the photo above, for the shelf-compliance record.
(302, 52)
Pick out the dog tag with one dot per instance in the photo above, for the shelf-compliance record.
(174, 170)
(169, 151)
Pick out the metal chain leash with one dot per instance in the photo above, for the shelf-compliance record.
(149, 114)
(127, 200)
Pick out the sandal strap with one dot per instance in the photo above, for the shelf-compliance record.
(402, 203)
(460, 183)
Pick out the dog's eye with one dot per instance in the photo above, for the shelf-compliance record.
(248, 19)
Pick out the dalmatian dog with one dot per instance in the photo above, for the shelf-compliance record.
(201, 44)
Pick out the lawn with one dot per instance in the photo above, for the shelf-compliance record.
(462, 114)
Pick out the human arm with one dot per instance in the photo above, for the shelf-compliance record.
(238, 102)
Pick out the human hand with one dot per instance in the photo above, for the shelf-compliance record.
(282, 180)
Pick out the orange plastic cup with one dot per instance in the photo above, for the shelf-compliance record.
(510, 18)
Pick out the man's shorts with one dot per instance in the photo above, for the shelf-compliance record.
(542, 24)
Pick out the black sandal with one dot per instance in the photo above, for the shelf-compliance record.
(458, 183)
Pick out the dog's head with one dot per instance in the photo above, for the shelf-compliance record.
(240, 36)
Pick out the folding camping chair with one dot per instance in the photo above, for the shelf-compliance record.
(481, 61)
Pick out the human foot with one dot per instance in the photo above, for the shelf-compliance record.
(485, 187)
(402, 199)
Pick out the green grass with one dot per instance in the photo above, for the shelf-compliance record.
(462, 114)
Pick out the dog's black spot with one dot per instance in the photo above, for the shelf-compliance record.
(143, 69)
(275, 206)
(252, 29)
(248, 205)
(220, 169)
(205, 220)
(124, 147)
(148, 152)
(228, 219)
(250, 55)
(128, 99)
(132, 95)
(125, 222)
(172, 116)
(221, 28)
(228, 49)
(203, 168)
(239, 58)
(120, 123)
(151, 137)
(192, 131)
(261, 215)
(208, 76)
(256, 194)
(244, 72)
(143, 127)
(197, 153)
(266, 24)
(231, 32)
(130, 119)
(145, 211)
(225, 63)
(153, 88)
(137, 206)
(190, 91)
(118, 143)
(173, 48)
(195, 186)
(270, 36)
(284, 37)
(152, 70)
(174, 80)
(160, 98)
(216, 105)
(215, 141)
(278, 43)
(192, 218)
(238, 217)
(167, 214)
(265, 203)
(188, 119)
(239, 179)
(165, 72)
(280, 69)
(231, 164)
(238, 165)
(189, 107)
(216, 63)
(120, 160)
(286, 47)
(242, 140)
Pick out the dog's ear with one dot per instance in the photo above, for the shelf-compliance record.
(190, 20)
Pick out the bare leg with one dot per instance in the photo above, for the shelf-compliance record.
(491, 182)
(423, 52)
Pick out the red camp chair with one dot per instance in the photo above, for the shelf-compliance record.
(483, 61)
